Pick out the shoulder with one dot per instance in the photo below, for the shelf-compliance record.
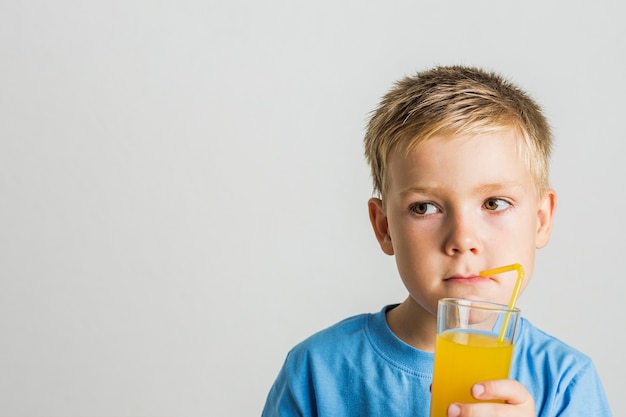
(345, 333)
(537, 350)
(561, 378)
(317, 368)
(537, 345)
(364, 336)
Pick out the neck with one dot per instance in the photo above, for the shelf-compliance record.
(414, 325)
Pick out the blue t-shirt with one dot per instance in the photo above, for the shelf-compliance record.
(359, 367)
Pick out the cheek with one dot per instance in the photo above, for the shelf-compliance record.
(521, 224)
(414, 235)
(415, 249)
(514, 235)
(518, 235)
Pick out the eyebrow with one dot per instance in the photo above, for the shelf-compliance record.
(483, 188)
(501, 186)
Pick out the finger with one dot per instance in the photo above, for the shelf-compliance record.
(484, 410)
(507, 390)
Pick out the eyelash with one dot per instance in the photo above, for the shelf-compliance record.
(500, 200)
(414, 207)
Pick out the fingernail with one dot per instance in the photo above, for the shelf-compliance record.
(454, 410)
(478, 390)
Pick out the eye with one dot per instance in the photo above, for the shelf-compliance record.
(496, 204)
(423, 208)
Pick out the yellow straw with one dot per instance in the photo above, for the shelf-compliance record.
(516, 290)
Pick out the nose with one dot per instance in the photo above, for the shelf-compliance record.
(461, 235)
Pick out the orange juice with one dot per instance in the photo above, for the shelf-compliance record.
(463, 358)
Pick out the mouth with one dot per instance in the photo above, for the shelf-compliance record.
(467, 280)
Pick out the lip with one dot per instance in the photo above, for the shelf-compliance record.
(470, 279)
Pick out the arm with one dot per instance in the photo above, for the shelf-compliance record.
(281, 400)
(583, 396)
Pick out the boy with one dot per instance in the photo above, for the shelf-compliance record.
(459, 158)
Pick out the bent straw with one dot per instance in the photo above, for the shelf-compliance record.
(516, 290)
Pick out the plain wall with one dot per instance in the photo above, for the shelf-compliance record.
(183, 192)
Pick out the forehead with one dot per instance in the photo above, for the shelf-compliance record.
(461, 160)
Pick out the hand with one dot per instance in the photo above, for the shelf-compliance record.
(517, 401)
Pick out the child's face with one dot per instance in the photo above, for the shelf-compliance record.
(456, 206)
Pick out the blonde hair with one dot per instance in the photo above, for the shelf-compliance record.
(455, 100)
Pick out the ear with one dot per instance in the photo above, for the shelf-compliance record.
(545, 214)
(378, 218)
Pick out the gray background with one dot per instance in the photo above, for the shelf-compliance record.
(183, 193)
